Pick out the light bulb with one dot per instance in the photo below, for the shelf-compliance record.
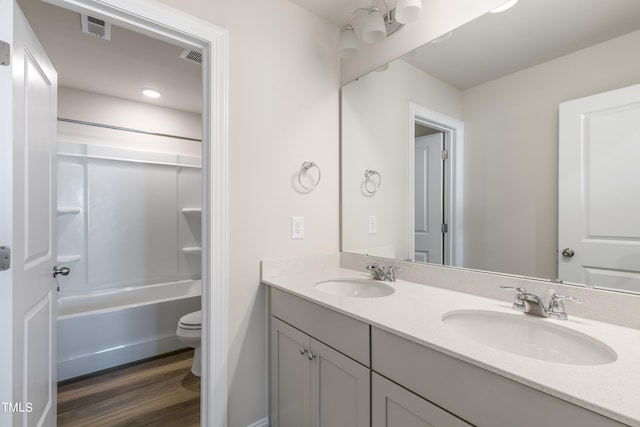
(408, 11)
(374, 29)
(348, 47)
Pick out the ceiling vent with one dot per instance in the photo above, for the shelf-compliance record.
(96, 27)
(191, 56)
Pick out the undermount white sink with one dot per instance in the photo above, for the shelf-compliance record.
(355, 288)
(529, 337)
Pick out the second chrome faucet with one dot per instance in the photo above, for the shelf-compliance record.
(532, 304)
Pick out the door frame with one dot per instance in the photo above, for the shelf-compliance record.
(175, 26)
(453, 130)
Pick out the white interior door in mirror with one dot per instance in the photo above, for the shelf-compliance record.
(428, 198)
(599, 206)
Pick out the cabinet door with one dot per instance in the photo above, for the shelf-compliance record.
(394, 406)
(340, 389)
(290, 376)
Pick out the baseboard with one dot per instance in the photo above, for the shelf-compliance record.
(261, 423)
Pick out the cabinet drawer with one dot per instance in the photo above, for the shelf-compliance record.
(474, 394)
(347, 335)
(394, 406)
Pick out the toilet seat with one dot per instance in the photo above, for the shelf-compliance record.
(191, 321)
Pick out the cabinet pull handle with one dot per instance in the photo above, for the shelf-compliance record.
(311, 356)
(303, 350)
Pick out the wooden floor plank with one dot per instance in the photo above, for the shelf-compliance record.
(159, 392)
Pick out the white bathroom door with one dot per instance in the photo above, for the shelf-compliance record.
(428, 199)
(27, 226)
(599, 190)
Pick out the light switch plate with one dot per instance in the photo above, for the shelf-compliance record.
(373, 224)
(297, 227)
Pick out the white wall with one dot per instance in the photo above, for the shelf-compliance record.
(511, 154)
(92, 107)
(375, 134)
(284, 83)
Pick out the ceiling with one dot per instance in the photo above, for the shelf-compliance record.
(337, 11)
(119, 67)
(532, 32)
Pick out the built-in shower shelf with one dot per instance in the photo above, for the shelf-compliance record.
(68, 258)
(69, 211)
(192, 250)
(192, 211)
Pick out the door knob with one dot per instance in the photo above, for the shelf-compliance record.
(63, 271)
(568, 252)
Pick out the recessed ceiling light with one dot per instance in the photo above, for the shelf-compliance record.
(507, 5)
(151, 93)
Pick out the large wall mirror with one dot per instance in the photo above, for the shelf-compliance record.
(451, 154)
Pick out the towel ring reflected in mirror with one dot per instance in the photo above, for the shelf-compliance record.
(371, 184)
(306, 166)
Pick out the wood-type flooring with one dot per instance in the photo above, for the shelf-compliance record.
(160, 392)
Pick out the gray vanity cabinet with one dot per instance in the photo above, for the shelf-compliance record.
(313, 384)
(330, 370)
(474, 394)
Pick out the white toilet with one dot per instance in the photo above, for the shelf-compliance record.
(188, 332)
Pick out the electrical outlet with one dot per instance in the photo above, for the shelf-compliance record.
(297, 227)
(373, 224)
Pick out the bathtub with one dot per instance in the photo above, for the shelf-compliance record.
(105, 329)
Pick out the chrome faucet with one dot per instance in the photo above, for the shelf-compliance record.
(383, 273)
(532, 304)
(556, 306)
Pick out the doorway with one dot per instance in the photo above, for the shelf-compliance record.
(429, 172)
(437, 208)
(167, 24)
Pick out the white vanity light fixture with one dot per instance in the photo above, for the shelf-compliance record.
(376, 26)
(506, 6)
(150, 93)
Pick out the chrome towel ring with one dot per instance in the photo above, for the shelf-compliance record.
(303, 170)
(370, 184)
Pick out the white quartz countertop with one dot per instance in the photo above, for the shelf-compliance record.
(414, 311)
